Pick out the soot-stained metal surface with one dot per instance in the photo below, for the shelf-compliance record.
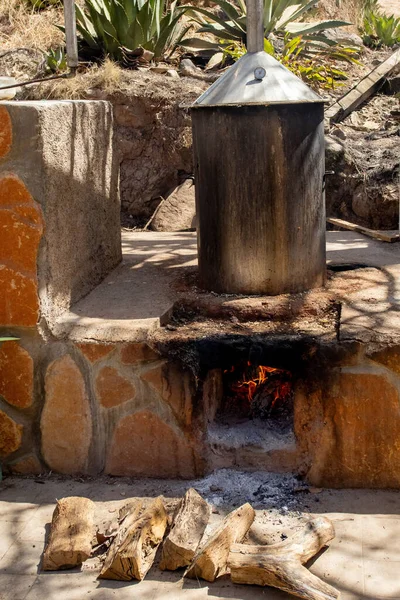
(259, 174)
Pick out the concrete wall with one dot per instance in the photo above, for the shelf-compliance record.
(61, 156)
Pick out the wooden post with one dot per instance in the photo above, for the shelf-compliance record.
(70, 33)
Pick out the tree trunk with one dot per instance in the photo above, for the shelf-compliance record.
(71, 534)
(210, 561)
(187, 530)
(281, 565)
(133, 550)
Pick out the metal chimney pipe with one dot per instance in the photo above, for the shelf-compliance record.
(255, 25)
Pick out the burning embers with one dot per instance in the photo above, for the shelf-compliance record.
(258, 391)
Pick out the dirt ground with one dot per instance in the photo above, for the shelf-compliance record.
(362, 562)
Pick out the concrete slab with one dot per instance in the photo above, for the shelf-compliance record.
(363, 560)
(138, 296)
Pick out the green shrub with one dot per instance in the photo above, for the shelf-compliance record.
(318, 73)
(56, 60)
(380, 30)
(118, 28)
(280, 16)
(43, 4)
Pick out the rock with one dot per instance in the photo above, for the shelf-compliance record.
(178, 211)
(334, 152)
(144, 446)
(160, 69)
(159, 146)
(112, 389)
(391, 86)
(363, 188)
(137, 352)
(371, 125)
(65, 424)
(351, 410)
(175, 387)
(94, 352)
(27, 465)
(342, 36)
(20, 232)
(6, 132)
(16, 375)
(278, 43)
(187, 67)
(339, 133)
(135, 116)
(10, 435)
(173, 74)
(339, 185)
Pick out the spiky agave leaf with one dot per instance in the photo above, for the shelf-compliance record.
(118, 27)
(279, 15)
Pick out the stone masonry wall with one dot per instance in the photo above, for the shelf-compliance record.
(59, 237)
(121, 408)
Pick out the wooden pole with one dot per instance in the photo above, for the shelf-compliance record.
(70, 33)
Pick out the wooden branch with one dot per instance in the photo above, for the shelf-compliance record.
(133, 550)
(383, 236)
(71, 534)
(210, 561)
(281, 565)
(187, 530)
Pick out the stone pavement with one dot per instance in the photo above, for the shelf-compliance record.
(363, 561)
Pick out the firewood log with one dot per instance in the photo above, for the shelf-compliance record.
(133, 550)
(187, 530)
(281, 565)
(71, 534)
(210, 561)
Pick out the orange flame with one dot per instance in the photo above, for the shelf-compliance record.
(248, 388)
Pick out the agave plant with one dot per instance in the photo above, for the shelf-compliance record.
(280, 16)
(380, 30)
(119, 27)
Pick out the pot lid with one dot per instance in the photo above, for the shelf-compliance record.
(257, 78)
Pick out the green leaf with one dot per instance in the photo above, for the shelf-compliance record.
(269, 47)
(306, 28)
(199, 44)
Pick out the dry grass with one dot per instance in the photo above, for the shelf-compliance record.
(109, 78)
(21, 27)
(109, 81)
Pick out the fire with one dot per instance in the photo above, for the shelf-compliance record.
(266, 385)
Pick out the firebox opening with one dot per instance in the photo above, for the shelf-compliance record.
(249, 408)
(251, 391)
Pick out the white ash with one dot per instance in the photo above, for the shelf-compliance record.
(255, 432)
(263, 490)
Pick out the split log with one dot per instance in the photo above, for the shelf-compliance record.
(281, 565)
(133, 550)
(71, 534)
(187, 530)
(210, 561)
